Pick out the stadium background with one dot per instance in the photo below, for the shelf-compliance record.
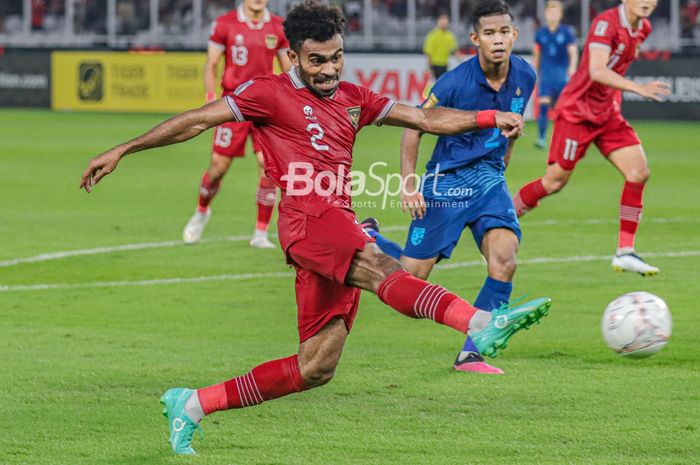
(102, 308)
(131, 51)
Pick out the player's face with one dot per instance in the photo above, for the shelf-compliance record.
(256, 5)
(320, 64)
(553, 14)
(641, 8)
(495, 38)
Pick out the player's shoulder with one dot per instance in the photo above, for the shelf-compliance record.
(276, 19)
(646, 27)
(523, 69)
(264, 81)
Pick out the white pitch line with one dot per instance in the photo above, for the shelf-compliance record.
(117, 248)
(274, 275)
(156, 245)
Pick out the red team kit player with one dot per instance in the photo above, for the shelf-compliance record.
(588, 111)
(308, 121)
(249, 38)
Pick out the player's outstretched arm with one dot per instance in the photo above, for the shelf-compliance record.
(600, 73)
(411, 197)
(446, 121)
(179, 128)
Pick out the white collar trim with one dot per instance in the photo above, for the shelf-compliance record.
(240, 13)
(296, 79)
(622, 12)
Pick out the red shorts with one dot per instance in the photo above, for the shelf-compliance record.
(571, 140)
(229, 139)
(322, 259)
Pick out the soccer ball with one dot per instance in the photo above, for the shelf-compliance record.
(636, 325)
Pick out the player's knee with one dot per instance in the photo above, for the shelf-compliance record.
(218, 169)
(503, 268)
(318, 372)
(638, 175)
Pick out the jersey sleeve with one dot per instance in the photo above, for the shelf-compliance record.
(441, 95)
(217, 34)
(538, 38)
(374, 107)
(282, 42)
(253, 100)
(601, 34)
(570, 37)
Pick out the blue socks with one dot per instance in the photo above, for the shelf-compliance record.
(493, 294)
(542, 120)
(390, 248)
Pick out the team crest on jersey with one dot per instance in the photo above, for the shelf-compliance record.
(271, 41)
(600, 28)
(517, 105)
(354, 113)
(417, 236)
(518, 92)
(431, 101)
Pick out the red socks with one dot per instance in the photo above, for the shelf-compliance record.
(207, 191)
(630, 213)
(268, 381)
(416, 298)
(528, 196)
(267, 194)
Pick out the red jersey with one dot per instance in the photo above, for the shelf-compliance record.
(250, 48)
(583, 100)
(307, 140)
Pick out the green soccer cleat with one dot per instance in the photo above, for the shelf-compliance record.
(181, 426)
(507, 321)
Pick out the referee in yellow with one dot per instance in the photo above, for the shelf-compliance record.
(439, 44)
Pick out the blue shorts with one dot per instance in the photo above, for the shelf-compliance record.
(551, 88)
(437, 233)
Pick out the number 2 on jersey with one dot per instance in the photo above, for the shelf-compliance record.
(492, 141)
(316, 135)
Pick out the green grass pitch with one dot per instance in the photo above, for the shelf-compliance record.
(82, 365)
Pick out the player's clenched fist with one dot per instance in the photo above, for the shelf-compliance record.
(99, 167)
(510, 124)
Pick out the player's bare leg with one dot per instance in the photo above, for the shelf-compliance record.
(265, 200)
(379, 273)
(528, 197)
(420, 268)
(499, 247)
(209, 187)
(631, 162)
(314, 366)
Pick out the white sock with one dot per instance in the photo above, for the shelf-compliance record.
(479, 321)
(193, 408)
(259, 233)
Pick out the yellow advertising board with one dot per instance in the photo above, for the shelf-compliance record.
(125, 81)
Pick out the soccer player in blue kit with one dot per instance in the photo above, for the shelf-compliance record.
(465, 184)
(555, 58)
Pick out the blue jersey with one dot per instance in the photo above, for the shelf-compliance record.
(466, 88)
(554, 56)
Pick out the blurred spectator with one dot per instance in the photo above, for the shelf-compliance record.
(439, 45)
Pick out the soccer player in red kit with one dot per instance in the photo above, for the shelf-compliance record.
(249, 38)
(308, 120)
(588, 111)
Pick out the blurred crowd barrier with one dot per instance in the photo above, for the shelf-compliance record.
(373, 25)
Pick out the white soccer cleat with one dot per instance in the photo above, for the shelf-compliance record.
(261, 241)
(195, 227)
(630, 261)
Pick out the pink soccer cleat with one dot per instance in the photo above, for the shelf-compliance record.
(471, 362)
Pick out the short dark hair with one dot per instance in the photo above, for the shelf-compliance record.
(489, 8)
(313, 20)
